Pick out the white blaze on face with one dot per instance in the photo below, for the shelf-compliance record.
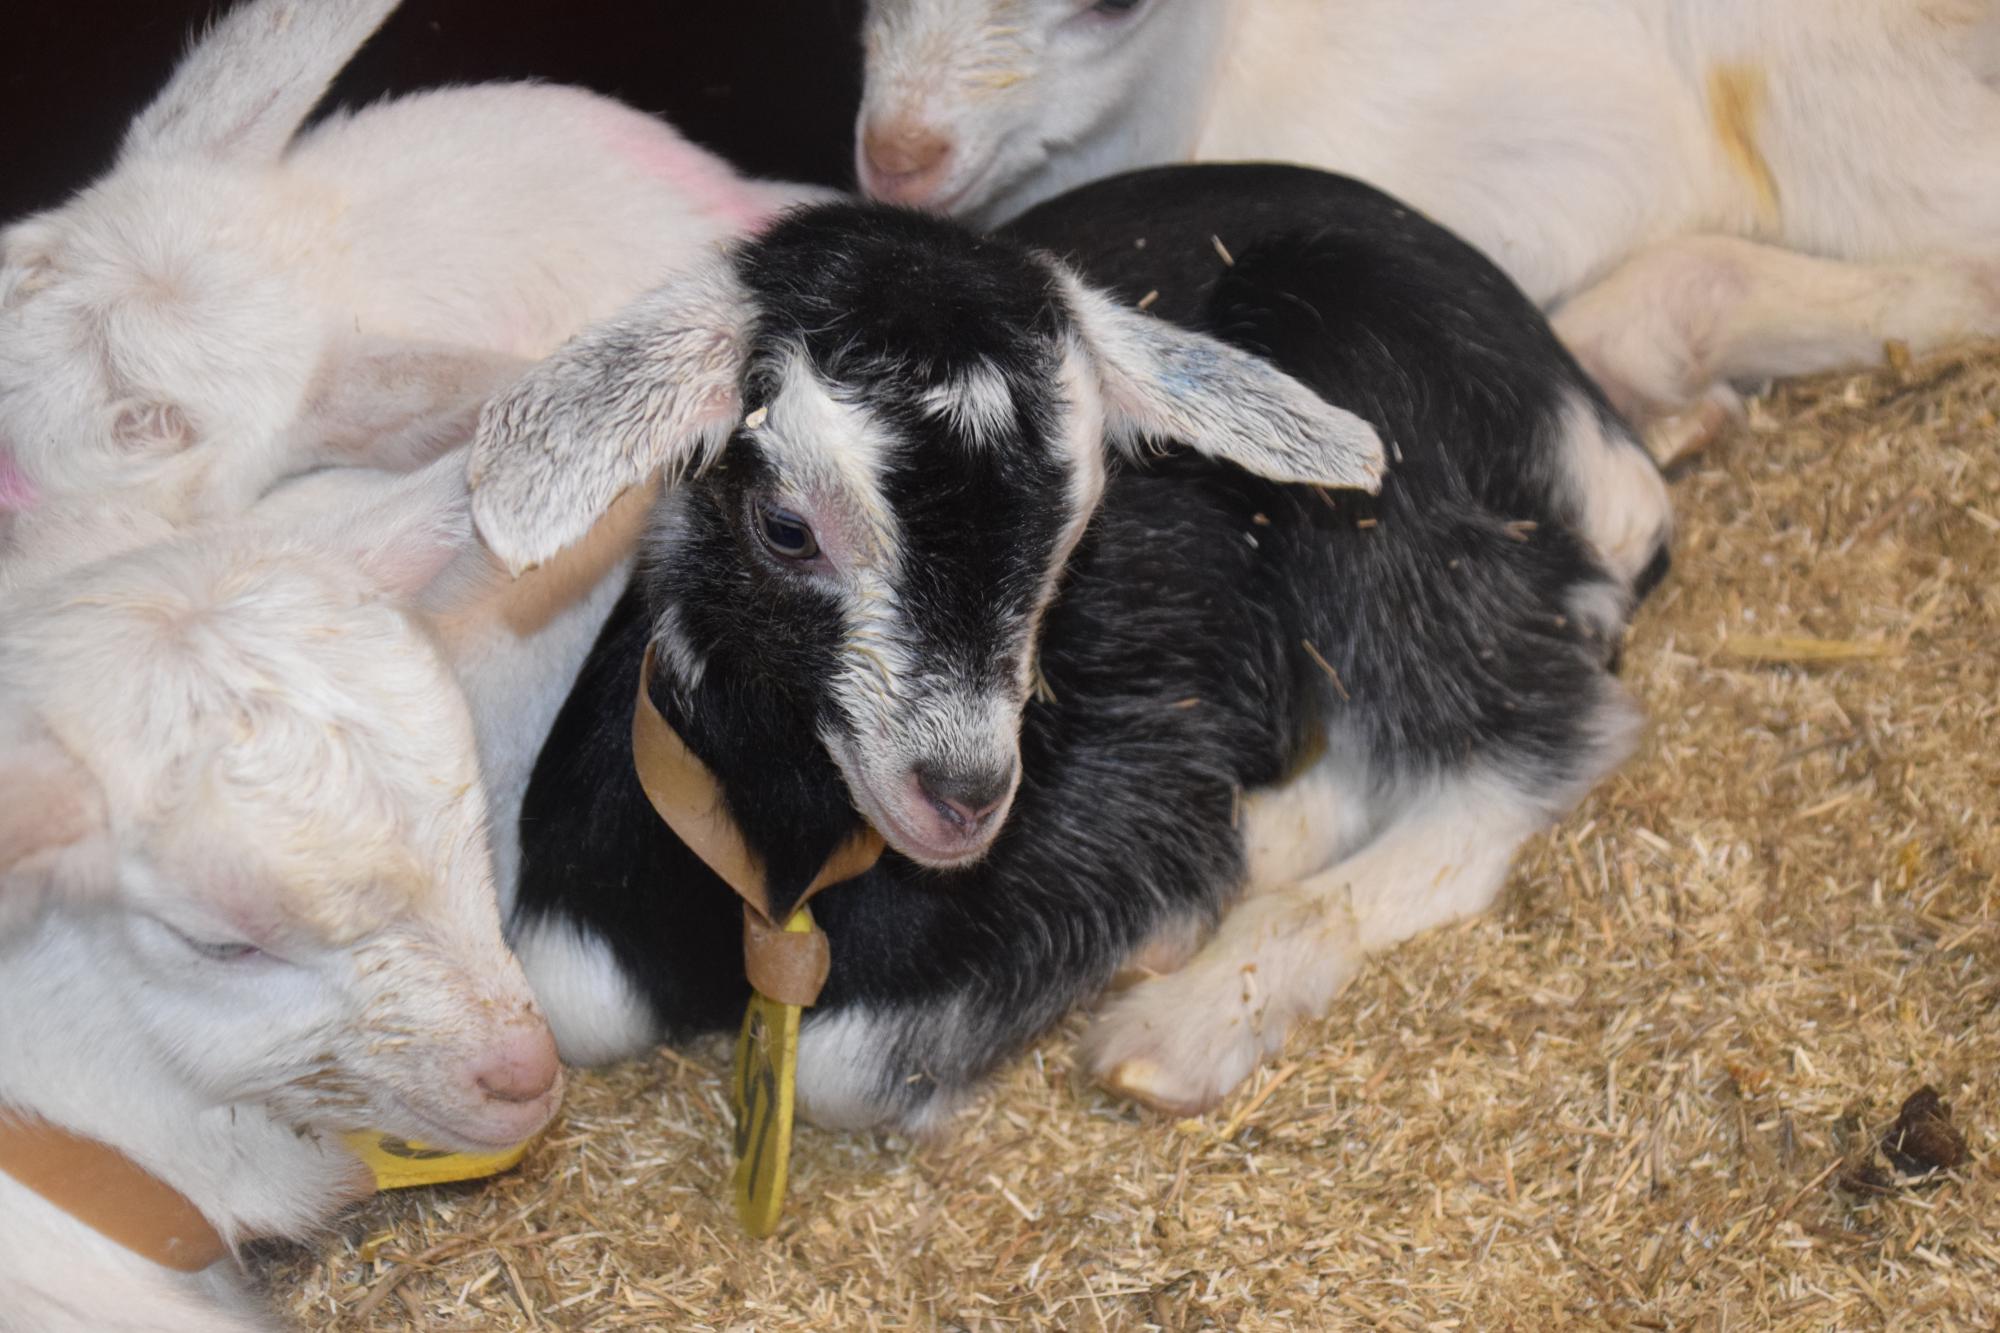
(976, 403)
(903, 711)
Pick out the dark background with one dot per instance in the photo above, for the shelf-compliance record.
(772, 85)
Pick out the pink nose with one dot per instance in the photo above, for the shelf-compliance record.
(906, 160)
(521, 1066)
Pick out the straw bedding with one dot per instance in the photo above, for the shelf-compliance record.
(1648, 1092)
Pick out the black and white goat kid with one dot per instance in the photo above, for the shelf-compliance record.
(1091, 615)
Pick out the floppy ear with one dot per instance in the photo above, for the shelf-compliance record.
(246, 85)
(1162, 382)
(51, 818)
(151, 427)
(401, 531)
(655, 386)
(396, 403)
(27, 259)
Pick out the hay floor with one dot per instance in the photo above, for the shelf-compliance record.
(1638, 1095)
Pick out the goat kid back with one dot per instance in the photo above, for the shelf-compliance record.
(919, 562)
(1705, 190)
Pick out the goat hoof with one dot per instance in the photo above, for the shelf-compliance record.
(1690, 431)
(1146, 1083)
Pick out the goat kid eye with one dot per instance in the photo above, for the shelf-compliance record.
(220, 951)
(1116, 8)
(786, 535)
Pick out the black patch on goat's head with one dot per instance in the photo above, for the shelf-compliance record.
(898, 431)
(880, 537)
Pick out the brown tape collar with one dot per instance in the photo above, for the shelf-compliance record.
(109, 1192)
(790, 967)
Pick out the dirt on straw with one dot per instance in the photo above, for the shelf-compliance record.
(1648, 1092)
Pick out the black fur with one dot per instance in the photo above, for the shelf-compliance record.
(1176, 656)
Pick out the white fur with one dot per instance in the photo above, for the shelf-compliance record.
(1181, 1040)
(231, 306)
(1561, 138)
(228, 305)
(840, 1067)
(1614, 492)
(1339, 869)
(593, 1009)
(514, 644)
(237, 738)
(598, 428)
(977, 404)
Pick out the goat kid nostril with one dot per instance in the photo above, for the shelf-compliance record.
(901, 154)
(966, 801)
(521, 1068)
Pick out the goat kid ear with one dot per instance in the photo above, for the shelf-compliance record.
(655, 387)
(396, 403)
(27, 260)
(247, 84)
(1165, 383)
(52, 820)
(402, 532)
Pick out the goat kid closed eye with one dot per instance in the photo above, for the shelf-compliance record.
(247, 920)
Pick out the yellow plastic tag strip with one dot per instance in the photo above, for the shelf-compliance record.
(787, 965)
(399, 1164)
(763, 1086)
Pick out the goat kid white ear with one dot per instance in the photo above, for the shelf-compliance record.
(151, 427)
(1165, 383)
(27, 260)
(655, 387)
(396, 403)
(402, 533)
(51, 819)
(247, 84)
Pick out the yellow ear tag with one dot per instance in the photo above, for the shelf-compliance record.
(761, 1089)
(399, 1164)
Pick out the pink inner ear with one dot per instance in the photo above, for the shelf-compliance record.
(16, 491)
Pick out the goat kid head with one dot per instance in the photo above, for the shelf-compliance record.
(167, 336)
(980, 108)
(242, 832)
(888, 435)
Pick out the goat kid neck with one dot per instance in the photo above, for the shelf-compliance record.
(68, 1055)
(779, 783)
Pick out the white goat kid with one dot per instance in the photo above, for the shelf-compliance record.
(230, 306)
(245, 897)
(1785, 184)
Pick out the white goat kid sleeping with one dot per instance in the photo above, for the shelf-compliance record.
(245, 897)
(1705, 191)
